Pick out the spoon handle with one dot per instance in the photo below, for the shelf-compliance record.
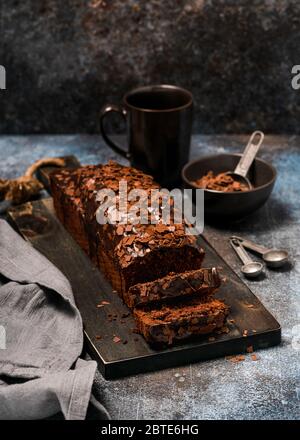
(251, 245)
(238, 247)
(249, 154)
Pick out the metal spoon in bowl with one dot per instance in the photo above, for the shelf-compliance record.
(272, 257)
(250, 269)
(242, 168)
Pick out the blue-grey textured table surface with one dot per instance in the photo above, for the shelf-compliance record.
(268, 388)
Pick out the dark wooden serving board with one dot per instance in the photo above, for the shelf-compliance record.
(38, 224)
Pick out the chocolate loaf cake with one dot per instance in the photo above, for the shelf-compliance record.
(168, 323)
(127, 254)
(157, 263)
(202, 282)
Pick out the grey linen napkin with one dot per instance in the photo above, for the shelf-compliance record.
(41, 338)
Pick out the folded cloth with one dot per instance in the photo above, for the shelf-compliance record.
(41, 338)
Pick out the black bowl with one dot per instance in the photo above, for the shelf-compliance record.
(231, 205)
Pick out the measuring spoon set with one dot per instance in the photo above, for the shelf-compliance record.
(272, 257)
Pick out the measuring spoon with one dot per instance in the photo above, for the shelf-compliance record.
(272, 257)
(250, 269)
(242, 168)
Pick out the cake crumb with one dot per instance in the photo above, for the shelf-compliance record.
(235, 359)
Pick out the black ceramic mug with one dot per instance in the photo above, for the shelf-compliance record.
(159, 125)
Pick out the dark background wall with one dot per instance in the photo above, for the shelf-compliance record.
(65, 59)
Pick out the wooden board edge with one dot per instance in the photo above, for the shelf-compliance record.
(148, 364)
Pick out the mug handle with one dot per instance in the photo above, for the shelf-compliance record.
(104, 112)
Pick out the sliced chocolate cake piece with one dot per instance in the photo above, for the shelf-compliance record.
(168, 323)
(202, 282)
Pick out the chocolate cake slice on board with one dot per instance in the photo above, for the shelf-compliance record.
(202, 282)
(165, 324)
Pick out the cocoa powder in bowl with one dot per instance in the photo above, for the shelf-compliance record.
(220, 182)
